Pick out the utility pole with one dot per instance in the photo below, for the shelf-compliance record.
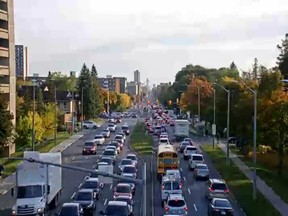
(82, 108)
(55, 116)
(33, 120)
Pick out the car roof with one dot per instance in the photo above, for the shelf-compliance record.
(196, 155)
(105, 157)
(202, 164)
(70, 204)
(118, 203)
(85, 191)
(129, 166)
(123, 185)
(92, 180)
(131, 155)
(126, 159)
(173, 171)
(176, 196)
(217, 181)
(219, 199)
(124, 197)
(128, 175)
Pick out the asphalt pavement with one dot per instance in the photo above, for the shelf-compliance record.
(72, 180)
(193, 191)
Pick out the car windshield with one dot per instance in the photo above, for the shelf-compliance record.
(126, 162)
(116, 210)
(198, 158)
(105, 131)
(163, 140)
(124, 199)
(29, 191)
(83, 196)
(129, 169)
(106, 160)
(93, 175)
(176, 203)
(118, 137)
(98, 137)
(185, 143)
(89, 144)
(109, 153)
(131, 157)
(168, 161)
(201, 167)
(191, 148)
(219, 186)
(167, 186)
(222, 203)
(69, 211)
(90, 184)
(125, 128)
(176, 186)
(111, 125)
(123, 189)
(187, 139)
(113, 145)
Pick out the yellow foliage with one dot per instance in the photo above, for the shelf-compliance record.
(38, 125)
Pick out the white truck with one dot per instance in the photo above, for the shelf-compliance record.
(181, 129)
(38, 186)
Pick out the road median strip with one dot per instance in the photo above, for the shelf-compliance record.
(239, 185)
(140, 142)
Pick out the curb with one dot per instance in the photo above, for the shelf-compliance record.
(231, 195)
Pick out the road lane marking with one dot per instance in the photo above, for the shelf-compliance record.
(73, 158)
(94, 165)
(73, 195)
(80, 186)
(111, 186)
(189, 191)
(86, 157)
(184, 178)
(105, 202)
(181, 169)
(195, 207)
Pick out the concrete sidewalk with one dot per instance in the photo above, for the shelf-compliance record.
(267, 191)
(9, 182)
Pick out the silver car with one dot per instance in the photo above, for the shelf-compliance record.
(201, 171)
(124, 162)
(106, 133)
(176, 205)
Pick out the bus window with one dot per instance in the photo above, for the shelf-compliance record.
(168, 161)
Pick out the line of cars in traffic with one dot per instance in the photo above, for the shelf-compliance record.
(84, 200)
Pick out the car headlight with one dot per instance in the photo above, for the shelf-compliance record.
(91, 205)
(13, 212)
(39, 210)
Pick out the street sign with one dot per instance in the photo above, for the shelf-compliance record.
(108, 169)
(213, 129)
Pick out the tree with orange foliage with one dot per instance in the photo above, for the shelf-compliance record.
(273, 119)
(189, 99)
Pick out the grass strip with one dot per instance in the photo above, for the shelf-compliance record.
(239, 185)
(140, 142)
(11, 165)
(268, 174)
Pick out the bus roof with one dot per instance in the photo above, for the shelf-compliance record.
(166, 148)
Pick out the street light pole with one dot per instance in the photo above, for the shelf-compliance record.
(55, 116)
(228, 121)
(108, 102)
(254, 146)
(199, 107)
(33, 120)
(214, 114)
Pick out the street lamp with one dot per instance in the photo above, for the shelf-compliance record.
(228, 119)
(46, 89)
(106, 84)
(254, 92)
(71, 96)
(33, 116)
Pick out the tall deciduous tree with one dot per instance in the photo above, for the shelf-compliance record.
(274, 123)
(6, 126)
(96, 91)
(282, 59)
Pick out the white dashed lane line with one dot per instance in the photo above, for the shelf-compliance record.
(184, 178)
(105, 202)
(195, 207)
(73, 195)
(111, 187)
(80, 186)
(189, 191)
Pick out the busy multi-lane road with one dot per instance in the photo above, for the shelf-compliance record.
(72, 180)
(193, 191)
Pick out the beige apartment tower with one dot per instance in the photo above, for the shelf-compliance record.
(7, 55)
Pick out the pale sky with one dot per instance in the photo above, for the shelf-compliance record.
(157, 37)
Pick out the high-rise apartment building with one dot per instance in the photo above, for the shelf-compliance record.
(137, 77)
(7, 55)
(21, 56)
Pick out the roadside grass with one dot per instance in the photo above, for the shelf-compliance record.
(268, 172)
(11, 165)
(239, 185)
(140, 142)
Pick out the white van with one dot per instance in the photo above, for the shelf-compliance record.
(194, 160)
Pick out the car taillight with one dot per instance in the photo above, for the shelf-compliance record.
(211, 190)
(226, 190)
(162, 187)
(180, 185)
(186, 208)
(216, 210)
(166, 208)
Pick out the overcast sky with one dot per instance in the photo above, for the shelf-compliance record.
(156, 37)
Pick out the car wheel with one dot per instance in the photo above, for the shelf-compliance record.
(85, 127)
(94, 127)
(162, 203)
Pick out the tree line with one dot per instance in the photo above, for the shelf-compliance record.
(94, 102)
(272, 99)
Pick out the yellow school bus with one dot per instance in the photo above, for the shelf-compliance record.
(167, 158)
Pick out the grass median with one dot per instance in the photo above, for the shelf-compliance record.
(140, 142)
(11, 165)
(239, 185)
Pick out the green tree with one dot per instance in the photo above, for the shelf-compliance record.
(38, 126)
(23, 132)
(96, 91)
(282, 59)
(85, 83)
(48, 118)
(40, 108)
(6, 126)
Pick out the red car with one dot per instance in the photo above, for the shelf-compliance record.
(123, 189)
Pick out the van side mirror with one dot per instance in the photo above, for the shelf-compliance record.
(48, 189)
(12, 192)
